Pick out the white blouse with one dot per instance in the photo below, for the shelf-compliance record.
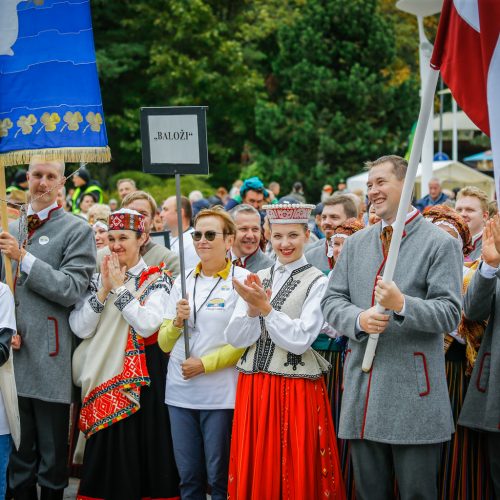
(145, 318)
(293, 335)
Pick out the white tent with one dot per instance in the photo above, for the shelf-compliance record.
(452, 174)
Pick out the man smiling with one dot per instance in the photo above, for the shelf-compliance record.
(336, 210)
(398, 414)
(245, 251)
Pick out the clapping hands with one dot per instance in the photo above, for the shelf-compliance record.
(254, 294)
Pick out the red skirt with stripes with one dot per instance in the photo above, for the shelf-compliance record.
(283, 444)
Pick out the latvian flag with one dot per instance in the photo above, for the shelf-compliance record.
(467, 51)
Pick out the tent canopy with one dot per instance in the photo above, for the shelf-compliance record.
(452, 174)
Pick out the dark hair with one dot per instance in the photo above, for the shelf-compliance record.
(350, 208)
(186, 206)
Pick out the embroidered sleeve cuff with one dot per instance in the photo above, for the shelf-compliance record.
(487, 271)
(27, 262)
(95, 304)
(123, 300)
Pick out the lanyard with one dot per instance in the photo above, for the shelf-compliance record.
(195, 310)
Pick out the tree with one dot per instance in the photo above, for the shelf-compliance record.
(334, 105)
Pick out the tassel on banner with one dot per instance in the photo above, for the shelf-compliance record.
(69, 155)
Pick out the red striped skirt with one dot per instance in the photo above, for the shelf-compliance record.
(283, 443)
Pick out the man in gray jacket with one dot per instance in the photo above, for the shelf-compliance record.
(336, 210)
(246, 251)
(399, 413)
(481, 408)
(55, 267)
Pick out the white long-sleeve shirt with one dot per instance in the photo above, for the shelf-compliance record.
(293, 335)
(145, 319)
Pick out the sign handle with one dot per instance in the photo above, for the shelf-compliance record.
(181, 256)
(5, 227)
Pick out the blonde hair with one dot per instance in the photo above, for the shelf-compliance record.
(98, 211)
(228, 225)
(38, 159)
(475, 192)
(140, 195)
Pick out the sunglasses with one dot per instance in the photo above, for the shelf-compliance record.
(209, 235)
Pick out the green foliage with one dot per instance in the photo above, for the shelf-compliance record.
(160, 187)
(295, 89)
(335, 106)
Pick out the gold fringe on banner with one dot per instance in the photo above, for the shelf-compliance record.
(69, 155)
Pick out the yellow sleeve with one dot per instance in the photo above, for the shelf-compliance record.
(221, 358)
(168, 335)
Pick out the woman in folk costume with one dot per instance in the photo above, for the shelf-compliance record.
(464, 474)
(331, 345)
(121, 372)
(283, 444)
(200, 390)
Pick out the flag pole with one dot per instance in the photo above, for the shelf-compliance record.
(398, 227)
(5, 226)
(180, 239)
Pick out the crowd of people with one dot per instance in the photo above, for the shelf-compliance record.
(245, 381)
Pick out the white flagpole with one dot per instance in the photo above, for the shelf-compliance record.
(398, 227)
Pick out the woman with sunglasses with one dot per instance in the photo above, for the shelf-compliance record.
(283, 440)
(120, 369)
(200, 390)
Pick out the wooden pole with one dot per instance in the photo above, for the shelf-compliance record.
(5, 227)
(416, 150)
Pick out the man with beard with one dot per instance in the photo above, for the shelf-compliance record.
(336, 210)
(245, 251)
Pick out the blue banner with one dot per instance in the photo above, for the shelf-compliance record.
(50, 100)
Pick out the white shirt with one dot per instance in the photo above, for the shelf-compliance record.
(215, 301)
(7, 320)
(29, 259)
(293, 335)
(191, 258)
(144, 319)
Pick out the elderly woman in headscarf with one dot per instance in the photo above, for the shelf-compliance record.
(462, 464)
(121, 372)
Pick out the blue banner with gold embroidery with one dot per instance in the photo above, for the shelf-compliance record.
(50, 100)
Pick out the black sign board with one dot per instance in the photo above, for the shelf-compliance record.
(174, 140)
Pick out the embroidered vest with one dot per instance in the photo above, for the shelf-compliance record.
(265, 356)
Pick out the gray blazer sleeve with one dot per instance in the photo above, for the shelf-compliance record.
(479, 296)
(67, 284)
(440, 310)
(336, 304)
(172, 263)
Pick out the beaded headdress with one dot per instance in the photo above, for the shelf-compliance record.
(126, 219)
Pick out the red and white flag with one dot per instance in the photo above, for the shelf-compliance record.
(467, 51)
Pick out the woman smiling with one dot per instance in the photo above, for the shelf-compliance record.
(120, 369)
(200, 390)
(282, 418)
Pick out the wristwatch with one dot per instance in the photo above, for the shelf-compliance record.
(120, 290)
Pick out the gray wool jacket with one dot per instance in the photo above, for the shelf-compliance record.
(481, 408)
(404, 398)
(65, 253)
(316, 256)
(258, 261)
